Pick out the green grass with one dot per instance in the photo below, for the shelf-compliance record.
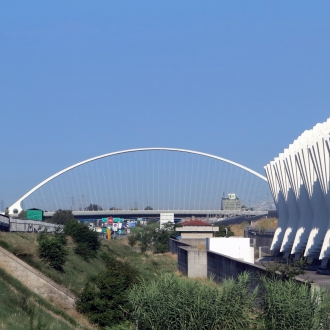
(76, 270)
(22, 309)
(149, 265)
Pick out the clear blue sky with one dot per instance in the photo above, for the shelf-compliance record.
(239, 79)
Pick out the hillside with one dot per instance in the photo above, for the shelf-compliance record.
(74, 276)
(76, 270)
(21, 309)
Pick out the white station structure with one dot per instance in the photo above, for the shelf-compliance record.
(299, 179)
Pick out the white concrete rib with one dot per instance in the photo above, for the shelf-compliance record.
(299, 179)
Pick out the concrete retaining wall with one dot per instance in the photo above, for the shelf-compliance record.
(175, 243)
(182, 260)
(192, 262)
(221, 267)
(194, 241)
(35, 280)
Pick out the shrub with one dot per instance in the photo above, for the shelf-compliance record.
(222, 231)
(132, 239)
(104, 298)
(87, 240)
(4, 244)
(154, 238)
(53, 252)
(62, 217)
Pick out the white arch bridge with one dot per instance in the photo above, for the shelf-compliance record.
(151, 179)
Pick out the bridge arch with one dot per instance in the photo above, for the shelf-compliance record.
(16, 207)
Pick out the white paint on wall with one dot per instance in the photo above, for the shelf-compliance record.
(234, 247)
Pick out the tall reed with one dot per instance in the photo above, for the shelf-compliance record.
(172, 302)
(292, 305)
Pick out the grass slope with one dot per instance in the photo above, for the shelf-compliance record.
(22, 309)
(76, 270)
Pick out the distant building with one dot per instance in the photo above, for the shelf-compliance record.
(231, 202)
(196, 229)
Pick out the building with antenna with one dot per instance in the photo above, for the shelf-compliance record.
(231, 202)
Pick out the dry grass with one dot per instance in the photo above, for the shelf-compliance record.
(238, 229)
(201, 247)
(266, 223)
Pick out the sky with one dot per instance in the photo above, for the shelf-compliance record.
(237, 79)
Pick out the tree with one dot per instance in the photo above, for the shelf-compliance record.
(93, 207)
(145, 241)
(87, 241)
(22, 215)
(151, 221)
(61, 217)
(222, 232)
(52, 251)
(161, 238)
(155, 238)
(148, 208)
(104, 298)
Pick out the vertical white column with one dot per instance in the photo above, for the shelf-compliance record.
(319, 222)
(291, 203)
(320, 155)
(280, 206)
(302, 200)
(300, 183)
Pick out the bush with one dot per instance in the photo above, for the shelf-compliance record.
(53, 252)
(172, 302)
(132, 239)
(62, 217)
(87, 240)
(222, 231)
(104, 298)
(152, 237)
